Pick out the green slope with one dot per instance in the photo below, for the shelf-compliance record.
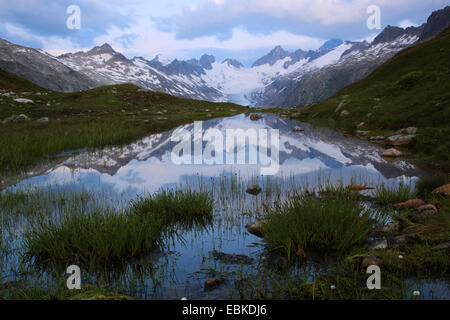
(10, 81)
(411, 89)
(110, 115)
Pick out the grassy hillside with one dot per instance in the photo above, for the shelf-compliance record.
(411, 89)
(111, 115)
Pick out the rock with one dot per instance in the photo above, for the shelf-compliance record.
(212, 283)
(362, 124)
(231, 258)
(255, 117)
(339, 106)
(377, 138)
(42, 120)
(392, 153)
(16, 119)
(400, 140)
(413, 203)
(401, 131)
(442, 246)
(427, 209)
(23, 100)
(358, 187)
(297, 129)
(295, 115)
(362, 132)
(403, 239)
(443, 190)
(369, 261)
(344, 113)
(284, 116)
(379, 245)
(254, 190)
(255, 227)
(391, 227)
(301, 253)
(411, 130)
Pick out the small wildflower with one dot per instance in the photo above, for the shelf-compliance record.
(332, 287)
(400, 257)
(416, 293)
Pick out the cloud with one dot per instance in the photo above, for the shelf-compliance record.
(407, 23)
(187, 28)
(318, 18)
(149, 39)
(48, 18)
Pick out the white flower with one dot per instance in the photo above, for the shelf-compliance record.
(332, 287)
(400, 257)
(416, 293)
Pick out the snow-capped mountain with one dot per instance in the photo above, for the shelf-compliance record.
(41, 68)
(280, 78)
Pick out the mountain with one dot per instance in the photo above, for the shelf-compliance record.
(412, 89)
(308, 85)
(278, 53)
(280, 78)
(330, 45)
(181, 78)
(42, 68)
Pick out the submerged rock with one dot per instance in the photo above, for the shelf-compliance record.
(213, 283)
(413, 203)
(255, 227)
(254, 190)
(297, 129)
(231, 258)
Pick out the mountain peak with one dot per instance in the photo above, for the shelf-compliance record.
(330, 45)
(105, 48)
(233, 63)
(273, 56)
(206, 61)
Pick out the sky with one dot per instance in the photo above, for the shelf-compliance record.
(240, 29)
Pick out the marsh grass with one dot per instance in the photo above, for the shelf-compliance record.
(310, 222)
(184, 208)
(426, 185)
(386, 195)
(109, 237)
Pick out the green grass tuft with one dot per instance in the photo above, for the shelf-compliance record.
(317, 223)
(109, 237)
